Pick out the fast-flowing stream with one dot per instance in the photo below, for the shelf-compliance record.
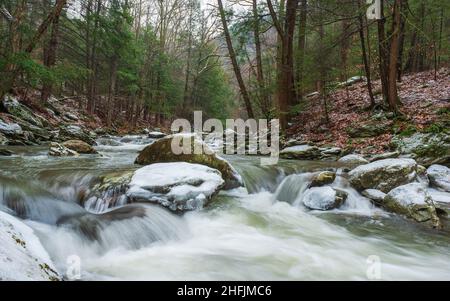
(260, 232)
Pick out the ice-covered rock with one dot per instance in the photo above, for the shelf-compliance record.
(383, 175)
(439, 176)
(377, 196)
(353, 159)
(414, 201)
(179, 186)
(22, 256)
(323, 198)
(161, 151)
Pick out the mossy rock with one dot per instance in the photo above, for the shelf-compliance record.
(15, 108)
(161, 151)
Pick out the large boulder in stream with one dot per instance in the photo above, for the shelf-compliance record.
(22, 256)
(161, 151)
(413, 201)
(439, 176)
(79, 146)
(323, 198)
(323, 178)
(178, 186)
(58, 150)
(383, 175)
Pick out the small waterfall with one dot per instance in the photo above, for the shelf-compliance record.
(130, 227)
(293, 187)
(30, 201)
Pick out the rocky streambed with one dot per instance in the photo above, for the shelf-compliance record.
(126, 209)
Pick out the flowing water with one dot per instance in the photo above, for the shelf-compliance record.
(261, 232)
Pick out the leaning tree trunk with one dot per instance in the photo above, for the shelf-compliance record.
(236, 68)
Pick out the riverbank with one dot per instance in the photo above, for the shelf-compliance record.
(353, 126)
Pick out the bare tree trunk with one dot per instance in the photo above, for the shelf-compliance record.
(364, 55)
(394, 50)
(402, 40)
(301, 48)
(50, 57)
(236, 68)
(382, 50)
(112, 90)
(264, 98)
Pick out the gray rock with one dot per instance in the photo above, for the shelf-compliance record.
(301, 152)
(293, 142)
(413, 201)
(351, 81)
(79, 146)
(58, 150)
(71, 116)
(377, 196)
(383, 156)
(323, 178)
(383, 175)
(439, 176)
(353, 159)
(10, 129)
(74, 132)
(367, 130)
(323, 198)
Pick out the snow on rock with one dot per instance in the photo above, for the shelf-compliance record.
(439, 196)
(439, 176)
(353, 159)
(377, 196)
(162, 150)
(322, 198)
(178, 185)
(414, 201)
(383, 175)
(156, 135)
(22, 256)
